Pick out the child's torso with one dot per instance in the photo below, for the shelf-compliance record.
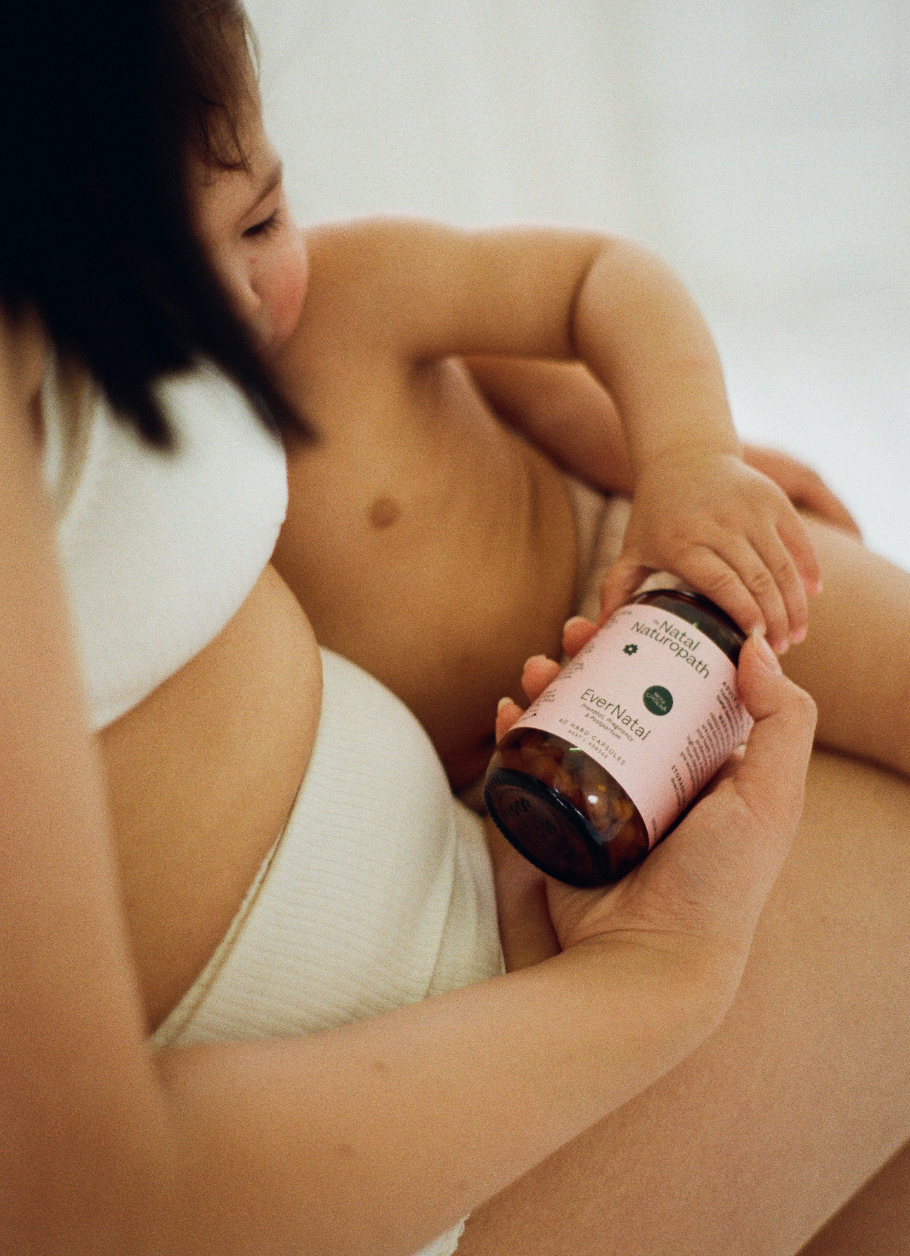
(426, 541)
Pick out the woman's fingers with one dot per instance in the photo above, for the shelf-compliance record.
(576, 634)
(722, 860)
(538, 672)
(770, 777)
(506, 714)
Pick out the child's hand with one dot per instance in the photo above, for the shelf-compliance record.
(728, 532)
(805, 487)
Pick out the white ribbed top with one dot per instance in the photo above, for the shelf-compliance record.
(159, 550)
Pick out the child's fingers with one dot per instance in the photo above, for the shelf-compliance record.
(779, 561)
(768, 573)
(722, 581)
(795, 535)
(766, 568)
(620, 582)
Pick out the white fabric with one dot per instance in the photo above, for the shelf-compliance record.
(379, 892)
(159, 550)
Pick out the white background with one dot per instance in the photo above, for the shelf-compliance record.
(762, 147)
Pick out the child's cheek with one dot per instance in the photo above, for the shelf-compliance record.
(286, 296)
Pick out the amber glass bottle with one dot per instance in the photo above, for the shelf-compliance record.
(652, 695)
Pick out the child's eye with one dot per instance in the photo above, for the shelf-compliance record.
(264, 228)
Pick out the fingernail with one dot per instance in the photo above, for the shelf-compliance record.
(765, 653)
(502, 703)
(799, 635)
(570, 623)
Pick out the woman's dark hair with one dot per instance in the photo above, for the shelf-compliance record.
(101, 104)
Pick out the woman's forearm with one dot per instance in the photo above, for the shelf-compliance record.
(410, 1120)
(373, 1136)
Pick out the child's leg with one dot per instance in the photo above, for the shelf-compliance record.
(854, 661)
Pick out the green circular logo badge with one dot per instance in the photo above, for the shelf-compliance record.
(658, 700)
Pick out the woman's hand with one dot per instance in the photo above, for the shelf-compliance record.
(729, 532)
(704, 885)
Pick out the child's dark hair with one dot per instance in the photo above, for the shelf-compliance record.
(101, 104)
(221, 51)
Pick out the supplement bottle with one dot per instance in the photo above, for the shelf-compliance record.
(599, 767)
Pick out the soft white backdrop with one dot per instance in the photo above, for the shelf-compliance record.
(762, 147)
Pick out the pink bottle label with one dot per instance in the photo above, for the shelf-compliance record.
(654, 701)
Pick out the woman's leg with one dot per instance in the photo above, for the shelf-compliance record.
(752, 1144)
(854, 661)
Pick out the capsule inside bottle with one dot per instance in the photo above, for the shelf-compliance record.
(562, 810)
(556, 802)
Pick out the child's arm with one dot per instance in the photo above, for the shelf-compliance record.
(562, 408)
(421, 292)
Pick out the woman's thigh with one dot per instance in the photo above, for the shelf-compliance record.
(749, 1146)
(876, 1222)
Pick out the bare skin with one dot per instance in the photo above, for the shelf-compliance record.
(412, 456)
(201, 777)
(191, 1151)
(446, 626)
(753, 1142)
(380, 501)
(788, 1120)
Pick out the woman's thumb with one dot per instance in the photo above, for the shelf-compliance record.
(774, 766)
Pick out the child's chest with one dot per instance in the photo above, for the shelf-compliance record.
(427, 542)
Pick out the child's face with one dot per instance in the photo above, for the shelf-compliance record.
(244, 223)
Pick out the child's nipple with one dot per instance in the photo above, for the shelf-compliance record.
(384, 512)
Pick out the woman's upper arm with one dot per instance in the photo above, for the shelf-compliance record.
(76, 1093)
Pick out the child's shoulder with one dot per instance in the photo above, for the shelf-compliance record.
(382, 242)
(379, 279)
